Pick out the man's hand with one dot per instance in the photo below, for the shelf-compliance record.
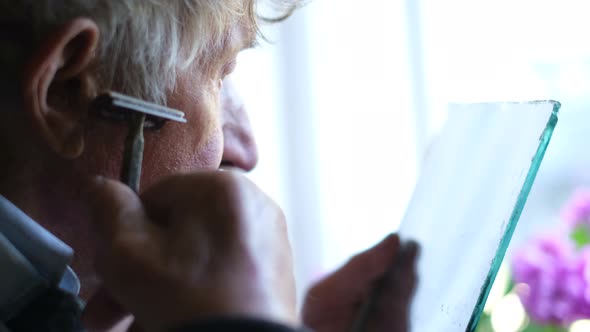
(194, 246)
(333, 304)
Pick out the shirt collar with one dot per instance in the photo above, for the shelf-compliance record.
(47, 253)
(35, 258)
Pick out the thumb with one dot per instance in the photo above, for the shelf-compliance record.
(353, 281)
(115, 208)
(368, 266)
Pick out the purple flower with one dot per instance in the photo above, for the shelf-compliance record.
(553, 280)
(577, 210)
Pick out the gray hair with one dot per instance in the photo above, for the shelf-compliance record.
(143, 42)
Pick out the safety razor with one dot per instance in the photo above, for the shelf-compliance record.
(138, 115)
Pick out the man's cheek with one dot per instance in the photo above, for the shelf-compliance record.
(209, 156)
(170, 154)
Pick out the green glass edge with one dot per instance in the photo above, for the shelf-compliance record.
(515, 216)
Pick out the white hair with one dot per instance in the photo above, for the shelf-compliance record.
(143, 42)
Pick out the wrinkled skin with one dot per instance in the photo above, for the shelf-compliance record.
(165, 242)
(335, 303)
(197, 244)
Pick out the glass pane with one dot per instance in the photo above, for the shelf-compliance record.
(471, 191)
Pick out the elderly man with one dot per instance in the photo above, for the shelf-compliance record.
(198, 249)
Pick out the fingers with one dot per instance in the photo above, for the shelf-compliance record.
(223, 205)
(350, 284)
(116, 208)
(209, 243)
(196, 185)
(125, 240)
(367, 267)
(170, 194)
(402, 285)
(336, 300)
(206, 194)
(373, 262)
(395, 291)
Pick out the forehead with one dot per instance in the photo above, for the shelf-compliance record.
(235, 37)
(240, 36)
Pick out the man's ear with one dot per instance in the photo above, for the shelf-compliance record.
(54, 85)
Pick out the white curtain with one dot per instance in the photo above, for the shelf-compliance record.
(332, 101)
(345, 100)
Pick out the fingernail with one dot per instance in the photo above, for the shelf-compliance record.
(390, 240)
(413, 248)
(408, 253)
(391, 237)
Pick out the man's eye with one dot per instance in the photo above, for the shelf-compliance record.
(228, 68)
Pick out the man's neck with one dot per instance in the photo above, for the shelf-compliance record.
(62, 209)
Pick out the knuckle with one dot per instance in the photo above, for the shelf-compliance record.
(111, 257)
(228, 185)
(121, 248)
(240, 195)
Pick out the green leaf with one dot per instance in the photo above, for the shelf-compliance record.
(510, 286)
(485, 324)
(581, 236)
(532, 327)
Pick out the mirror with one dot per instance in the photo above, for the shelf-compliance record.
(471, 191)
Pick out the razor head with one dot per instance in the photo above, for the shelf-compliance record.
(117, 107)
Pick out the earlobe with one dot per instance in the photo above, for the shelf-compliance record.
(53, 86)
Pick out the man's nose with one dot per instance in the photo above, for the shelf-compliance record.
(239, 148)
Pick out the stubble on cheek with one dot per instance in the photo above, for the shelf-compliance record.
(193, 146)
(210, 147)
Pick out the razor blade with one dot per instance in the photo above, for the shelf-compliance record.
(119, 108)
(138, 115)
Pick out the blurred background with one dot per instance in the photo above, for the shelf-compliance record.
(347, 95)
